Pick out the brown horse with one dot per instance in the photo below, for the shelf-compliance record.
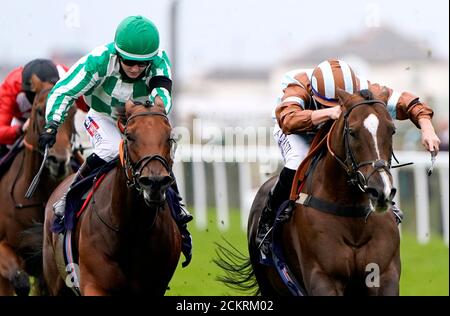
(328, 247)
(127, 240)
(18, 214)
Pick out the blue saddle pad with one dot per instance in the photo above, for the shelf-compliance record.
(75, 199)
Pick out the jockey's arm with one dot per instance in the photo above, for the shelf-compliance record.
(429, 138)
(67, 91)
(160, 84)
(293, 119)
(323, 115)
(406, 105)
(9, 90)
(291, 115)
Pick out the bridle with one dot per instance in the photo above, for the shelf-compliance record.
(350, 165)
(134, 170)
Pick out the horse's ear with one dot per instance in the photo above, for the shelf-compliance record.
(384, 94)
(129, 105)
(342, 95)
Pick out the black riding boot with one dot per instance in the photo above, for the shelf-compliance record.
(278, 195)
(184, 215)
(91, 163)
(397, 213)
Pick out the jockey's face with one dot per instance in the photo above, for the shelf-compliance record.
(133, 69)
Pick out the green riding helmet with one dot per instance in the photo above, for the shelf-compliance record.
(137, 38)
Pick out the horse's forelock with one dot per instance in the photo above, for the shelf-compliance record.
(366, 94)
(135, 108)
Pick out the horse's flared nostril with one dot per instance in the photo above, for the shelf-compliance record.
(392, 194)
(155, 182)
(379, 199)
(166, 181)
(52, 159)
(145, 182)
(373, 193)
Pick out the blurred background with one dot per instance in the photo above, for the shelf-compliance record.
(228, 60)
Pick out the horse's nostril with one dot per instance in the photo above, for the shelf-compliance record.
(145, 182)
(155, 182)
(166, 181)
(52, 159)
(392, 195)
(373, 193)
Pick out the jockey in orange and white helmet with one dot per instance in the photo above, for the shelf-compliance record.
(308, 99)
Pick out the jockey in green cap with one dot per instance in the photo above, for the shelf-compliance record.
(132, 67)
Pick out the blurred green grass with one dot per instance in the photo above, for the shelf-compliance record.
(425, 268)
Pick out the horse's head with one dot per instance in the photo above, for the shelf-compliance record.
(366, 130)
(58, 161)
(148, 150)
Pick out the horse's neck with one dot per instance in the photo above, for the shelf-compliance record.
(335, 186)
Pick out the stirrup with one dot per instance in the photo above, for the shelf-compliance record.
(59, 207)
(184, 216)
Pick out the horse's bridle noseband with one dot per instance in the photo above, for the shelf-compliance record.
(134, 170)
(350, 164)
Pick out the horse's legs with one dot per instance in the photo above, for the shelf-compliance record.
(6, 288)
(55, 284)
(92, 289)
(389, 284)
(97, 276)
(321, 284)
(11, 270)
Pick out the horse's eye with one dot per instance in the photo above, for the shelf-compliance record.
(129, 137)
(39, 111)
(351, 132)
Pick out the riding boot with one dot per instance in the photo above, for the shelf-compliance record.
(184, 215)
(397, 213)
(92, 162)
(277, 196)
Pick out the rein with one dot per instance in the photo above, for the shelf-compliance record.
(34, 183)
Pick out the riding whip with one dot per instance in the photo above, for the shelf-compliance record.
(433, 160)
(37, 177)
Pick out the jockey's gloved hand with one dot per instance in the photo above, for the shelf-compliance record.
(48, 136)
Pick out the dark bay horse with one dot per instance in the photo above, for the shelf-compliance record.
(18, 214)
(127, 240)
(326, 253)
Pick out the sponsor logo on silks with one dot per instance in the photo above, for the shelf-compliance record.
(90, 125)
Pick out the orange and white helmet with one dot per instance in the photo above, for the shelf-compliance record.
(330, 75)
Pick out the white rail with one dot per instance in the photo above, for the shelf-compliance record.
(268, 160)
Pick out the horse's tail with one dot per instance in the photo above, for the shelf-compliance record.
(30, 248)
(239, 274)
